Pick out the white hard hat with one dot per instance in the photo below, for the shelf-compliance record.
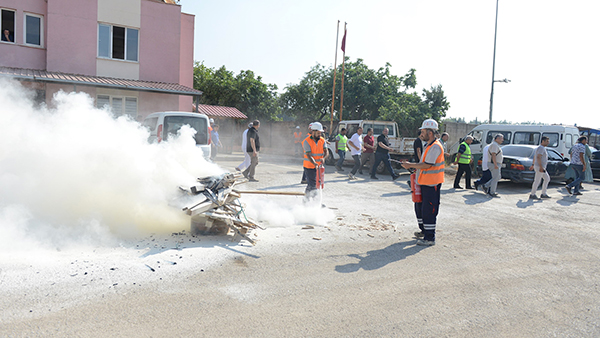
(297, 127)
(316, 126)
(250, 125)
(429, 124)
(211, 120)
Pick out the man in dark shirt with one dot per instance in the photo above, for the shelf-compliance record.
(382, 154)
(418, 148)
(252, 148)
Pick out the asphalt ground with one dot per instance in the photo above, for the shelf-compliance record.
(501, 267)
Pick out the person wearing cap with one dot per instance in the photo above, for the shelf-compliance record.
(246, 162)
(430, 176)
(211, 121)
(315, 154)
(297, 140)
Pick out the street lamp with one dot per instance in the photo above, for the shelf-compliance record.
(494, 66)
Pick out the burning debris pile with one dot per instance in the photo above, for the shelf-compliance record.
(217, 208)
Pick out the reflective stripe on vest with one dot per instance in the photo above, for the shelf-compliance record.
(297, 137)
(465, 158)
(433, 175)
(316, 151)
(342, 142)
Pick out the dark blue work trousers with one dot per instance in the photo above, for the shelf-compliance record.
(427, 210)
(311, 180)
(485, 177)
(386, 161)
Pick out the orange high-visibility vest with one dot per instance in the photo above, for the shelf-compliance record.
(434, 175)
(316, 151)
(297, 137)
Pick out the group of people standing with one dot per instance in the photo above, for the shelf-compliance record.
(491, 164)
(364, 150)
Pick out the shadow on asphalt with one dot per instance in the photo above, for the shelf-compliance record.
(527, 203)
(377, 259)
(567, 200)
(476, 198)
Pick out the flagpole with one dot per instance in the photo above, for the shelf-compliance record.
(343, 66)
(337, 35)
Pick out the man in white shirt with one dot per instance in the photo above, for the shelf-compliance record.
(246, 162)
(540, 161)
(486, 173)
(355, 144)
(495, 164)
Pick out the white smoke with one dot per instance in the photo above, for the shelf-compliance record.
(75, 174)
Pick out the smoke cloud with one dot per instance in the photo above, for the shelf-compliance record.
(74, 174)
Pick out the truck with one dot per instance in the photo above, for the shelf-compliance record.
(402, 146)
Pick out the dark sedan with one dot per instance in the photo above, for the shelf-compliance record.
(595, 164)
(519, 158)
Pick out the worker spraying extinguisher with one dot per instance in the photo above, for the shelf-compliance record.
(315, 154)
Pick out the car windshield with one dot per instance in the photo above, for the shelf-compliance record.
(174, 123)
(517, 151)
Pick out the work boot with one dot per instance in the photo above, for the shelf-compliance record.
(419, 234)
(545, 196)
(476, 185)
(533, 197)
(423, 242)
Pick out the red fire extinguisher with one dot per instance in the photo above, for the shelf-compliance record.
(416, 188)
(320, 176)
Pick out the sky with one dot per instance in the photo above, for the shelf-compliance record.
(547, 49)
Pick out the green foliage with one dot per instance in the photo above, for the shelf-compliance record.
(244, 91)
(368, 94)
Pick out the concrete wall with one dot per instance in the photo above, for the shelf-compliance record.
(457, 131)
(72, 37)
(186, 58)
(159, 42)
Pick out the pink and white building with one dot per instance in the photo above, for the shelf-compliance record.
(134, 55)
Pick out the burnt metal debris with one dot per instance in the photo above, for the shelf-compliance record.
(217, 209)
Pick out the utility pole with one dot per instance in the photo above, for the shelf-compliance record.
(493, 65)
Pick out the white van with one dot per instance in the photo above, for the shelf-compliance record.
(562, 138)
(163, 124)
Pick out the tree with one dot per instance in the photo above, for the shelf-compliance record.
(244, 91)
(368, 94)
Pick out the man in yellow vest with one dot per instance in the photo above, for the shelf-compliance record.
(341, 141)
(464, 159)
(430, 176)
(315, 154)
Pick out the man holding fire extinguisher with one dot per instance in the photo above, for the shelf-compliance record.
(315, 153)
(429, 177)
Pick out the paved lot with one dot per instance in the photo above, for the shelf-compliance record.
(504, 267)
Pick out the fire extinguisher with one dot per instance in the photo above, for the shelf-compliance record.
(415, 188)
(320, 176)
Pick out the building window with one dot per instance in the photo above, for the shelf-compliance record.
(119, 43)
(33, 29)
(7, 25)
(118, 104)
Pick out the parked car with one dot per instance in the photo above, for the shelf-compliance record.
(595, 164)
(164, 124)
(519, 158)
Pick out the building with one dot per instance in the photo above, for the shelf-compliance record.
(134, 55)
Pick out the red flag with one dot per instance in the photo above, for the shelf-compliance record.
(344, 42)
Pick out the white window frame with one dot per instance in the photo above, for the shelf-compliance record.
(110, 52)
(14, 29)
(123, 104)
(41, 17)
